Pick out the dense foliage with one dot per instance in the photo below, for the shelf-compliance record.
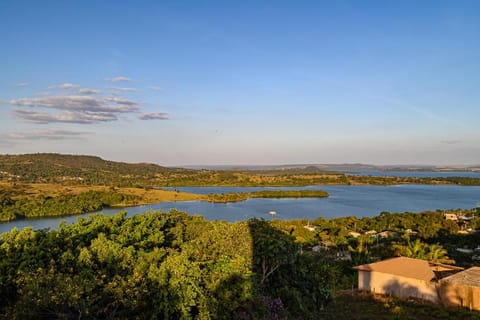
(176, 266)
(156, 265)
(36, 206)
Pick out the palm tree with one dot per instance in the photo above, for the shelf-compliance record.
(415, 249)
(438, 254)
(424, 251)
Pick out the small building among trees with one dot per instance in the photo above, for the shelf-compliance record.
(404, 277)
(401, 277)
(461, 289)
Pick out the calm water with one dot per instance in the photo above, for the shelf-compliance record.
(417, 174)
(360, 201)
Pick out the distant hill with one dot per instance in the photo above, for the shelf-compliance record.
(52, 167)
(91, 170)
(340, 167)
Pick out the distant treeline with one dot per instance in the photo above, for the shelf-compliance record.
(89, 170)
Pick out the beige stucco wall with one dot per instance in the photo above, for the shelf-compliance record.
(398, 286)
(460, 295)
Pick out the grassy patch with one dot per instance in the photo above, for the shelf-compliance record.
(356, 305)
(148, 196)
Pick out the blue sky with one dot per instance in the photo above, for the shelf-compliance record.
(242, 82)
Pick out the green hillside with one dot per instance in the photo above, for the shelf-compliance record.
(91, 170)
(77, 169)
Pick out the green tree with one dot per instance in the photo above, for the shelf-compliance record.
(271, 248)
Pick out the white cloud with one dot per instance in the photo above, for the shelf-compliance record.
(154, 116)
(47, 134)
(79, 103)
(66, 85)
(88, 91)
(122, 101)
(64, 117)
(124, 89)
(22, 84)
(119, 79)
(75, 109)
(155, 88)
(85, 106)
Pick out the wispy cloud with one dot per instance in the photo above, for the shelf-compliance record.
(119, 79)
(85, 106)
(88, 91)
(451, 141)
(46, 134)
(155, 88)
(21, 84)
(123, 101)
(75, 109)
(79, 103)
(124, 89)
(65, 86)
(64, 117)
(154, 116)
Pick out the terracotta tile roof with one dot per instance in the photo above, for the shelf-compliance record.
(401, 266)
(470, 277)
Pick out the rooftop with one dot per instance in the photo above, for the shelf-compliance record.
(401, 266)
(470, 277)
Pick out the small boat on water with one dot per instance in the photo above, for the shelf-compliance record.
(272, 213)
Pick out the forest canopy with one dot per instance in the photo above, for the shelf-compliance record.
(159, 265)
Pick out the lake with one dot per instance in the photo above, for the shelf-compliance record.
(417, 174)
(360, 201)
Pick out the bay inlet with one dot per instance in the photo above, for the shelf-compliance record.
(359, 201)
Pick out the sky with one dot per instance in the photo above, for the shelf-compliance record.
(242, 82)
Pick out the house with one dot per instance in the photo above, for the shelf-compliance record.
(309, 227)
(401, 277)
(450, 216)
(354, 234)
(410, 232)
(404, 277)
(461, 289)
(443, 270)
(388, 234)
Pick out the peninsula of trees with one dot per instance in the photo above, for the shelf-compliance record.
(277, 194)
